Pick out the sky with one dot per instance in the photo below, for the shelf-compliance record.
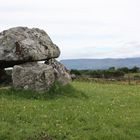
(81, 28)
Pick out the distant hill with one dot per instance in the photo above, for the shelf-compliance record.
(100, 63)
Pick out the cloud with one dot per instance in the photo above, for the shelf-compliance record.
(81, 28)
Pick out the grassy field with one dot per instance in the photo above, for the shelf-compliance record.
(80, 111)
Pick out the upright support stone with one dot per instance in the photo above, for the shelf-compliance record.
(61, 73)
(33, 76)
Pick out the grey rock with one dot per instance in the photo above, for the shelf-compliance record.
(39, 77)
(61, 73)
(21, 44)
(73, 76)
(33, 76)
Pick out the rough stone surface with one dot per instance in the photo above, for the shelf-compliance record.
(22, 48)
(61, 73)
(21, 44)
(33, 76)
(39, 77)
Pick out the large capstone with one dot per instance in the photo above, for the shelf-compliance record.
(21, 44)
(33, 76)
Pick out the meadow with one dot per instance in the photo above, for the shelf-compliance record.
(79, 111)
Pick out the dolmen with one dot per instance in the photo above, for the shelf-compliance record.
(23, 48)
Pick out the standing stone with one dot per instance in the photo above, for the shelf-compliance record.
(33, 76)
(21, 44)
(39, 77)
(61, 73)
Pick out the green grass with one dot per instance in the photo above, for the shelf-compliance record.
(80, 111)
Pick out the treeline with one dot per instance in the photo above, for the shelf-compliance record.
(112, 72)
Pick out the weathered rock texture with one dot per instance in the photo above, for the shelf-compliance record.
(21, 44)
(22, 47)
(61, 73)
(39, 77)
(33, 76)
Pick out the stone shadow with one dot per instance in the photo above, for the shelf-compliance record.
(56, 91)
